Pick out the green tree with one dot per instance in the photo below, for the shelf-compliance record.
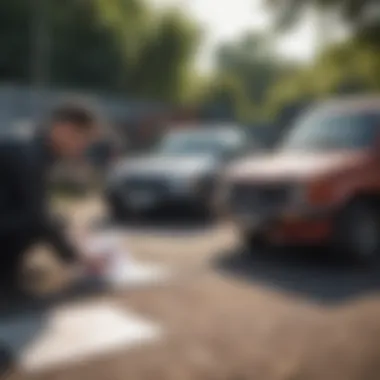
(255, 67)
(362, 16)
(225, 99)
(114, 45)
(347, 68)
(15, 25)
(166, 59)
(353, 11)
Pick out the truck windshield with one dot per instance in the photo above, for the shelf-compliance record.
(318, 132)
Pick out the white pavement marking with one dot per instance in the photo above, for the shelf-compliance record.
(74, 333)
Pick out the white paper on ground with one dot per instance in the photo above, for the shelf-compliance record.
(76, 333)
(119, 268)
(135, 274)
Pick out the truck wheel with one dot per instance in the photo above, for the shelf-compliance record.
(357, 232)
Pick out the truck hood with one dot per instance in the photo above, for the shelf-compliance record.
(295, 166)
(165, 166)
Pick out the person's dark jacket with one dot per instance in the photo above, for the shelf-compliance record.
(24, 204)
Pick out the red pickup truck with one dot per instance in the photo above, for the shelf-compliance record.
(321, 185)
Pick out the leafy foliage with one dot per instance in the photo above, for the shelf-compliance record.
(116, 45)
(355, 13)
(348, 68)
(225, 99)
(166, 58)
(345, 68)
(246, 69)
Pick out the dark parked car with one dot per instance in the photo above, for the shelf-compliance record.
(180, 173)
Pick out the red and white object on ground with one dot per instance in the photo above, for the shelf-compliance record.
(108, 259)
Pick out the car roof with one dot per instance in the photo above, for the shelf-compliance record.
(231, 132)
(204, 126)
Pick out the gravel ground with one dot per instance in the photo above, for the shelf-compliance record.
(227, 325)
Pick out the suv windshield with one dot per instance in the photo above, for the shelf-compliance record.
(321, 132)
(202, 142)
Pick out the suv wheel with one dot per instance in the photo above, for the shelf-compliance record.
(358, 232)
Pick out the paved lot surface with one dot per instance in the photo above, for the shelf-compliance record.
(234, 316)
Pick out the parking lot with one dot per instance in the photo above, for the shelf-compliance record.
(229, 314)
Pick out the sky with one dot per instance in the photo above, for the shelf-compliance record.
(223, 20)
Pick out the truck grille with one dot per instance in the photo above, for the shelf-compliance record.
(256, 197)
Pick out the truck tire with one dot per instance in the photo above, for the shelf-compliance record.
(357, 232)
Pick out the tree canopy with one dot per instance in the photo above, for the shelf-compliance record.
(245, 70)
(362, 16)
(348, 67)
(117, 45)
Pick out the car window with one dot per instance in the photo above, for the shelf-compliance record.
(325, 132)
(203, 142)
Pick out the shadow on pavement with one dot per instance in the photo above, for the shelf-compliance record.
(162, 225)
(309, 273)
